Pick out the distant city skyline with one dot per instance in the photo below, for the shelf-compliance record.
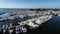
(29, 3)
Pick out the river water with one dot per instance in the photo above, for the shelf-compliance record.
(52, 26)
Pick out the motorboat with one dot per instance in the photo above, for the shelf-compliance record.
(38, 22)
(10, 30)
(17, 30)
(24, 30)
(30, 23)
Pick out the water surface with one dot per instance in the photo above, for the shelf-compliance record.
(50, 27)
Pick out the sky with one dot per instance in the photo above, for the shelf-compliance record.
(29, 3)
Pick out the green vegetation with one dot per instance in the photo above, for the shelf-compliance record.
(43, 9)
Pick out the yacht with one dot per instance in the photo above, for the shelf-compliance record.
(38, 22)
(10, 30)
(24, 30)
(31, 24)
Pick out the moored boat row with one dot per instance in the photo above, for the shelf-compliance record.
(32, 23)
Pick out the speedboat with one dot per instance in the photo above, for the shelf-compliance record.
(24, 30)
(10, 30)
(17, 30)
(38, 22)
(31, 24)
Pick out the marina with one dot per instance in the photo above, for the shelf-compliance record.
(25, 22)
(21, 22)
(29, 16)
(24, 30)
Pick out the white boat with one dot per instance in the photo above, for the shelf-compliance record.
(38, 22)
(17, 30)
(3, 26)
(21, 16)
(58, 15)
(10, 24)
(24, 30)
(4, 30)
(10, 31)
(32, 24)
